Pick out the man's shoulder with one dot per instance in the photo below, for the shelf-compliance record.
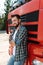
(23, 27)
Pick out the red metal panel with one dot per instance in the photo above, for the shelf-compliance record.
(34, 39)
(41, 4)
(40, 26)
(30, 6)
(29, 23)
(16, 11)
(35, 52)
(9, 16)
(26, 8)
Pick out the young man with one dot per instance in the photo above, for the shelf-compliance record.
(18, 42)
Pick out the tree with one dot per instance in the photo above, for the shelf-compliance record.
(1, 22)
(7, 7)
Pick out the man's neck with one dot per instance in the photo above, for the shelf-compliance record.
(18, 26)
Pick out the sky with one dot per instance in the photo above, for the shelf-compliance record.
(2, 6)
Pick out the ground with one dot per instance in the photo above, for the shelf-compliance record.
(4, 43)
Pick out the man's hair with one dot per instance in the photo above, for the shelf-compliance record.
(16, 15)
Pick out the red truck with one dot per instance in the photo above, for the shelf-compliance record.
(32, 18)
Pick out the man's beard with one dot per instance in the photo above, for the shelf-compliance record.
(17, 25)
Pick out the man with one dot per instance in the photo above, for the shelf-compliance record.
(18, 42)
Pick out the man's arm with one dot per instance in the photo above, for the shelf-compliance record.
(10, 50)
(11, 45)
(11, 40)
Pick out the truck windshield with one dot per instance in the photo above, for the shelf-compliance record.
(17, 3)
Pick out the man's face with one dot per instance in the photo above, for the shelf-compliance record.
(15, 21)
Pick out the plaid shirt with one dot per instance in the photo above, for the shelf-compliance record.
(21, 44)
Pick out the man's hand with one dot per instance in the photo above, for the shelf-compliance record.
(12, 43)
(10, 50)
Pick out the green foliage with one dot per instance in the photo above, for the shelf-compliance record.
(1, 23)
(4, 19)
(7, 6)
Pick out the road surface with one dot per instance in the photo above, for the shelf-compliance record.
(4, 43)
